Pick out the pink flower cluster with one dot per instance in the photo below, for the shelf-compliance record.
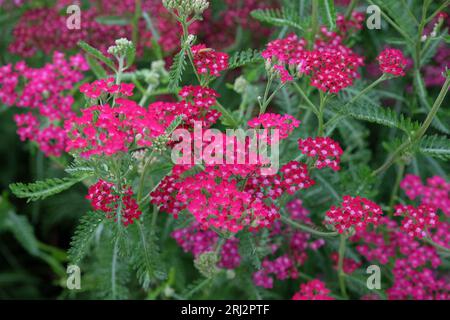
(106, 86)
(417, 221)
(106, 130)
(43, 92)
(392, 62)
(281, 268)
(415, 274)
(325, 150)
(105, 197)
(436, 192)
(354, 212)
(195, 106)
(197, 241)
(285, 124)
(313, 290)
(209, 61)
(331, 65)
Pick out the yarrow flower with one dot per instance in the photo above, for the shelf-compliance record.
(209, 61)
(106, 130)
(392, 62)
(313, 290)
(354, 212)
(331, 65)
(325, 150)
(106, 86)
(105, 197)
(43, 92)
(284, 123)
(435, 193)
(417, 221)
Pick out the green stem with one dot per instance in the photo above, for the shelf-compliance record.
(137, 15)
(423, 128)
(311, 230)
(314, 22)
(320, 115)
(350, 9)
(400, 172)
(308, 101)
(341, 273)
(142, 177)
(436, 245)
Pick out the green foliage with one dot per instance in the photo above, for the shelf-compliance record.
(279, 17)
(40, 190)
(328, 13)
(84, 234)
(435, 146)
(147, 259)
(243, 58)
(96, 68)
(23, 231)
(177, 69)
(96, 54)
(377, 114)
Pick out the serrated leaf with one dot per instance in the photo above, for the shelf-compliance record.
(113, 20)
(376, 114)
(96, 54)
(96, 68)
(177, 69)
(173, 125)
(84, 233)
(23, 232)
(278, 17)
(40, 190)
(435, 146)
(242, 58)
(328, 13)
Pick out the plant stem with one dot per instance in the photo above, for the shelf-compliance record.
(314, 22)
(308, 101)
(142, 177)
(393, 157)
(400, 172)
(320, 115)
(341, 273)
(311, 230)
(436, 245)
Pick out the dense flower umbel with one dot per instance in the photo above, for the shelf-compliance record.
(313, 290)
(435, 193)
(106, 130)
(331, 65)
(417, 221)
(104, 197)
(195, 105)
(354, 212)
(42, 91)
(209, 61)
(106, 86)
(392, 61)
(284, 123)
(324, 149)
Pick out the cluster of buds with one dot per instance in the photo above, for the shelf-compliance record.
(122, 47)
(206, 264)
(186, 8)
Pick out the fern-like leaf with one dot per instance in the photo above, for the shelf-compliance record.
(242, 58)
(435, 146)
(379, 115)
(278, 17)
(177, 69)
(40, 190)
(83, 235)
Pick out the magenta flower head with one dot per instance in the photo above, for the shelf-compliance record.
(354, 212)
(392, 61)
